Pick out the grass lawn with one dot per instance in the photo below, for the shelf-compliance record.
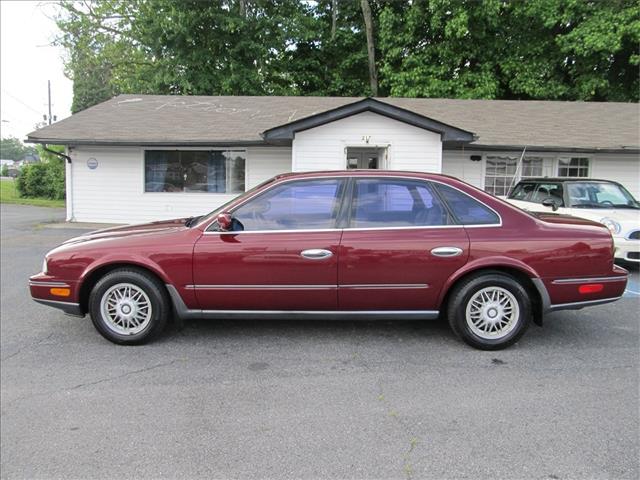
(8, 194)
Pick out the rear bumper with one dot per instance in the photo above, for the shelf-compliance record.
(565, 294)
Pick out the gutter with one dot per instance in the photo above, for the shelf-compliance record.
(68, 179)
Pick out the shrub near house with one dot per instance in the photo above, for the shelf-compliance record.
(42, 180)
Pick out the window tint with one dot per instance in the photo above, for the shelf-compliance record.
(390, 202)
(214, 171)
(305, 204)
(468, 210)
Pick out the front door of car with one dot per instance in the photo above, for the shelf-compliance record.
(400, 248)
(281, 255)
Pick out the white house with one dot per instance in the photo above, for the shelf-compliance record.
(136, 158)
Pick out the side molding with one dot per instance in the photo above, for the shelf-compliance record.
(184, 312)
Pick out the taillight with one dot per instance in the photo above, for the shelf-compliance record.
(590, 288)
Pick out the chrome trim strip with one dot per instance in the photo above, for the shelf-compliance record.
(309, 287)
(287, 180)
(184, 312)
(579, 305)
(35, 283)
(571, 281)
(385, 286)
(262, 287)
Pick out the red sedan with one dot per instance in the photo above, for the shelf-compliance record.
(352, 244)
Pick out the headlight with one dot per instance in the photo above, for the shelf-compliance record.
(612, 225)
(44, 265)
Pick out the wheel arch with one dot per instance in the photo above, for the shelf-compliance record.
(96, 272)
(521, 273)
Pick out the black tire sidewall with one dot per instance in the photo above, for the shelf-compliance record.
(157, 297)
(461, 297)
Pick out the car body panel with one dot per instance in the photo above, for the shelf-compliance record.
(626, 246)
(378, 269)
(265, 271)
(381, 269)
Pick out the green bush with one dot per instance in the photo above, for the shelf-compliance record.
(43, 180)
(4, 171)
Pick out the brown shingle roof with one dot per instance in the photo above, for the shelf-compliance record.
(176, 120)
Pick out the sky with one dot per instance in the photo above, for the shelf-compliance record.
(27, 60)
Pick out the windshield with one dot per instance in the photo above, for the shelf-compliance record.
(599, 195)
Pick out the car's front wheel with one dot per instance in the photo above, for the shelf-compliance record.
(129, 306)
(489, 311)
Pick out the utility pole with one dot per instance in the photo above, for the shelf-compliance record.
(49, 118)
(49, 92)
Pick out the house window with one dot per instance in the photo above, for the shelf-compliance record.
(501, 171)
(573, 167)
(212, 171)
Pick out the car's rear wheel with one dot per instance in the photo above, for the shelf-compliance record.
(489, 311)
(129, 306)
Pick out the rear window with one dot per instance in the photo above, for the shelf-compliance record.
(467, 210)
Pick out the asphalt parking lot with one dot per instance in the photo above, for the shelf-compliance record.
(287, 399)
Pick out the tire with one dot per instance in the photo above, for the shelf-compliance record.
(489, 311)
(129, 306)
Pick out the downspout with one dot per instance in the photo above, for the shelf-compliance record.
(68, 179)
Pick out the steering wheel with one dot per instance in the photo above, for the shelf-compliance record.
(607, 202)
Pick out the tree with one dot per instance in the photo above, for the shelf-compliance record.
(542, 49)
(371, 46)
(13, 149)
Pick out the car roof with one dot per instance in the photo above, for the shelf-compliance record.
(564, 180)
(364, 172)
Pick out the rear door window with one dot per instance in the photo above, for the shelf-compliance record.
(468, 210)
(392, 202)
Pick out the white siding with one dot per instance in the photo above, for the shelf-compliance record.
(409, 147)
(458, 164)
(114, 191)
(618, 167)
(622, 168)
(266, 162)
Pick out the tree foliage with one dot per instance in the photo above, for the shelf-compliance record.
(537, 49)
(12, 148)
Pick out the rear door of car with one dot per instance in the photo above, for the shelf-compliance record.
(284, 257)
(400, 245)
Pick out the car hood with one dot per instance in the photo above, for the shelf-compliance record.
(130, 230)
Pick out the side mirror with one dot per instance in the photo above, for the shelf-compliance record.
(550, 202)
(224, 221)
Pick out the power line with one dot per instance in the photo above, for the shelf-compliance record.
(21, 102)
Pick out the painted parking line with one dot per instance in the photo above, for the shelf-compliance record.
(627, 291)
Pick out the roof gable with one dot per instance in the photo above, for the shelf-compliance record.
(166, 120)
(285, 133)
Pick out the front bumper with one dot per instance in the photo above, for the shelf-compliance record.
(627, 250)
(41, 286)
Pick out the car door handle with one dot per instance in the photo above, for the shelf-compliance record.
(316, 254)
(446, 251)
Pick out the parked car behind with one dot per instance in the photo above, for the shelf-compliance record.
(602, 201)
(340, 244)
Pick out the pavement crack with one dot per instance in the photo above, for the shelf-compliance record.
(87, 384)
(123, 375)
(27, 346)
(406, 430)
